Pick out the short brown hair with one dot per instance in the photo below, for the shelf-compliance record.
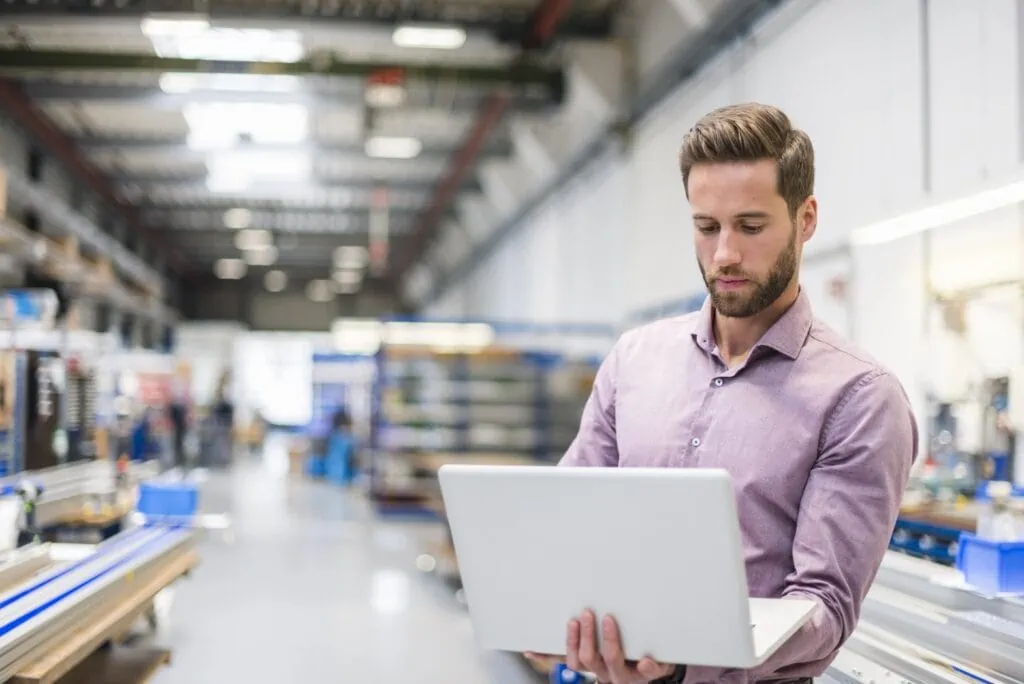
(751, 132)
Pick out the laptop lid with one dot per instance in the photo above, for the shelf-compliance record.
(660, 549)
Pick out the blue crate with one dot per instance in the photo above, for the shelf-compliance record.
(992, 567)
(177, 500)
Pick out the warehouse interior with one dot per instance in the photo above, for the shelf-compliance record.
(267, 266)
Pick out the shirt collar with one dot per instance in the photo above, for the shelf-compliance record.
(786, 336)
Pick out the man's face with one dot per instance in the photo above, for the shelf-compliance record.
(748, 247)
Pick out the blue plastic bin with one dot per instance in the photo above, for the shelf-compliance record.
(168, 499)
(992, 567)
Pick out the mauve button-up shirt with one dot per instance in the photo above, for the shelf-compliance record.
(818, 438)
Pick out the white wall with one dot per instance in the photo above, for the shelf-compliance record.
(897, 121)
(869, 142)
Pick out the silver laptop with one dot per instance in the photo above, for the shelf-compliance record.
(658, 548)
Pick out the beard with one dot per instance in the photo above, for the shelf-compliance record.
(744, 305)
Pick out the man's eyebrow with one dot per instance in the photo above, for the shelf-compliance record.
(741, 215)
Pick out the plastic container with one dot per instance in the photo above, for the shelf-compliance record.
(990, 566)
(168, 500)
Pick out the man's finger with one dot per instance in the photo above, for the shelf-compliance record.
(590, 659)
(612, 653)
(572, 645)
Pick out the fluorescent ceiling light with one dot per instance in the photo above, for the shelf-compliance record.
(348, 278)
(243, 45)
(440, 335)
(431, 37)
(229, 269)
(384, 95)
(357, 336)
(176, 83)
(221, 182)
(174, 26)
(320, 290)
(221, 125)
(261, 256)
(237, 218)
(351, 257)
(393, 148)
(275, 281)
(236, 171)
(940, 214)
(253, 238)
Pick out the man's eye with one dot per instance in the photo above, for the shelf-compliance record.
(707, 228)
(748, 228)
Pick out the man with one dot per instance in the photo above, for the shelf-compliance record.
(819, 438)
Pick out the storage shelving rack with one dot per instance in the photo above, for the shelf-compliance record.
(502, 404)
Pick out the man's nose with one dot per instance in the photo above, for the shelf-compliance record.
(726, 251)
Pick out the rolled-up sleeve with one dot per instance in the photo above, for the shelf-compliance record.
(847, 514)
(595, 443)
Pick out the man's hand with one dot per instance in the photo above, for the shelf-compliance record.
(608, 661)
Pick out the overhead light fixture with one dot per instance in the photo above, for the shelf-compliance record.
(357, 336)
(384, 95)
(237, 218)
(351, 257)
(455, 336)
(261, 256)
(320, 290)
(189, 39)
(348, 277)
(943, 213)
(230, 269)
(174, 26)
(275, 281)
(253, 239)
(429, 36)
(221, 125)
(226, 183)
(382, 147)
(174, 82)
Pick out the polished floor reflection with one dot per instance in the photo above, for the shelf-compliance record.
(311, 586)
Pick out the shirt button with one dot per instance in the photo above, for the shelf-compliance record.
(695, 441)
(718, 382)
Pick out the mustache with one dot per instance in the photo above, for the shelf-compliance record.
(728, 273)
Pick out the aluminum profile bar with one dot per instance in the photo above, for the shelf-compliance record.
(35, 614)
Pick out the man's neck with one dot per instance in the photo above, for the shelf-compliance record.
(737, 336)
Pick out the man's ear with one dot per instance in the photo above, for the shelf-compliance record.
(807, 218)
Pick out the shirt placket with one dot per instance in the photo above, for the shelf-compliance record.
(718, 379)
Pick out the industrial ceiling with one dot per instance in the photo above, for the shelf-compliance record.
(308, 140)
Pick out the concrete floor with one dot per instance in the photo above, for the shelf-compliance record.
(311, 586)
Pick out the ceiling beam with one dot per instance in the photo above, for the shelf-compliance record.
(543, 26)
(521, 74)
(504, 22)
(39, 126)
(192, 179)
(179, 149)
(458, 99)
